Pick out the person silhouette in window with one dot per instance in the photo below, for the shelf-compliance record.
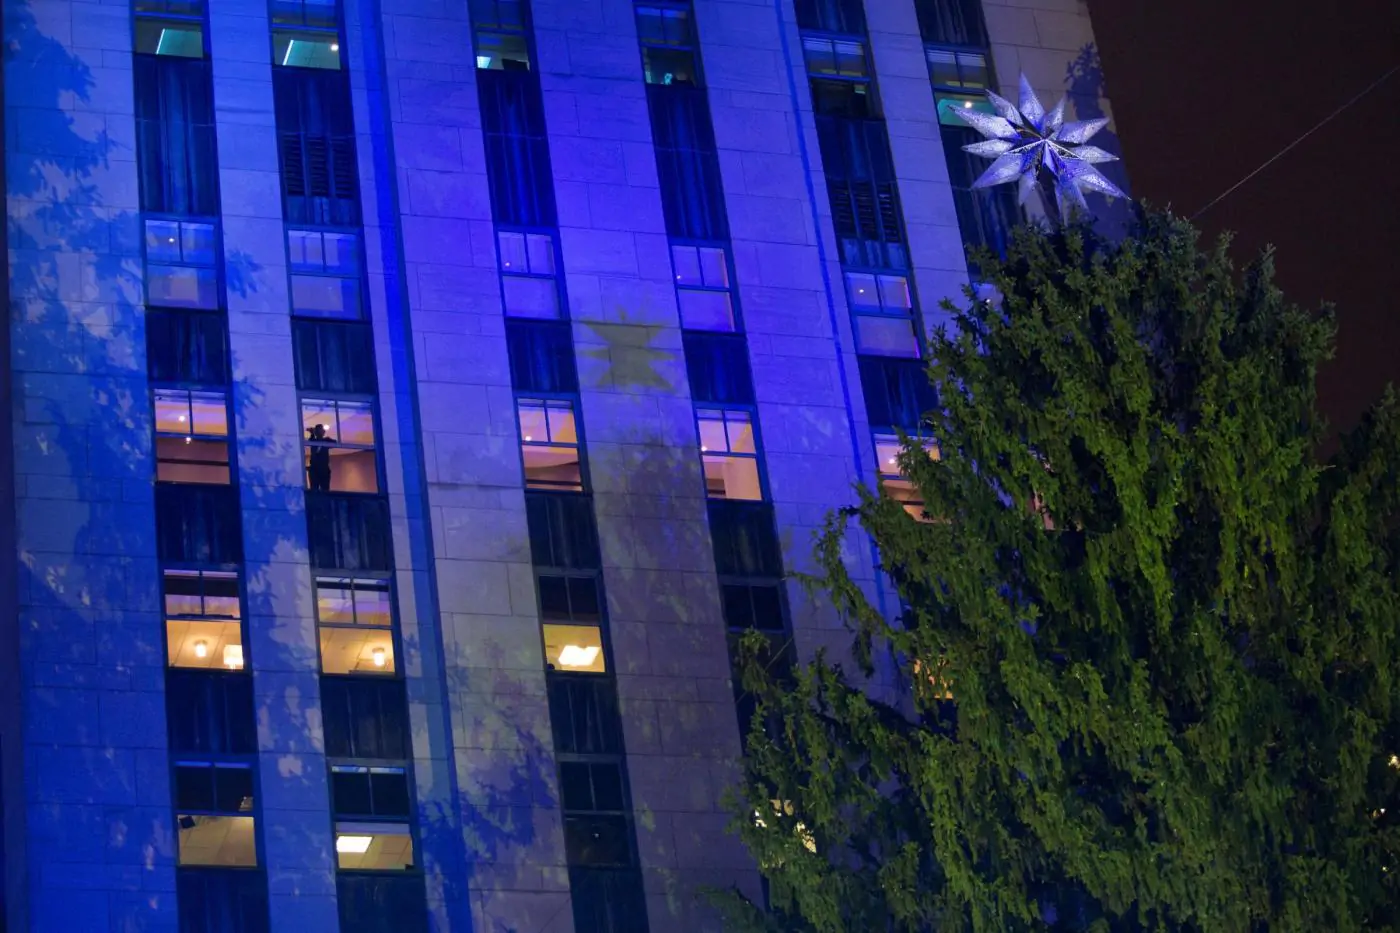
(318, 470)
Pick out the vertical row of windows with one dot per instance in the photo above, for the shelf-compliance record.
(209, 701)
(599, 837)
(364, 703)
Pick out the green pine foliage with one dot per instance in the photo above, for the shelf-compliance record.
(1168, 629)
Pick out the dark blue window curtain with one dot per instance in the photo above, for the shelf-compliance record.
(831, 15)
(334, 357)
(860, 181)
(349, 532)
(541, 356)
(316, 147)
(687, 162)
(365, 718)
(186, 346)
(210, 712)
(175, 135)
(382, 903)
(198, 524)
(583, 712)
(517, 150)
(952, 22)
(718, 366)
(897, 392)
(562, 533)
(221, 900)
(744, 540)
(985, 216)
(608, 900)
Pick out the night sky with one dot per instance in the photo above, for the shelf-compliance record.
(1203, 91)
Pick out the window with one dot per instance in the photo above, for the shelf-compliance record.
(952, 22)
(834, 58)
(517, 149)
(210, 712)
(897, 392)
(860, 181)
(730, 454)
(527, 274)
(325, 273)
(349, 532)
(831, 15)
(355, 623)
(501, 31)
(198, 524)
(541, 356)
(966, 71)
(316, 150)
(176, 155)
(702, 287)
(214, 807)
(340, 445)
(687, 163)
(298, 48)
(334, 357)
(892, 480)
(365, 792)
(221, 901)
(745, 543)
(986, 216)
(583, 713)
(753, 606)
(186, 346)
(570, 598)
(203, 615)
(608, 900)
(192, 444)
(549, 444)
(562, 532)
(181, 269)
(174, 29)
(667, 35)
(321, 14)
(365, 718)
(718, 368)
(373, 903)
(596, 830)
(574, 648)
(373, 846)
(884, 314)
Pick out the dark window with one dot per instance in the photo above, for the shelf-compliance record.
(860, 181)
(583, 713)
(213, 787)
(718, 366)
(692, 196)
(753, 605)
(364, 718)
(210, 712)
(562, 532)
(591, 786)
(502, 28)
(831, 15)
(667, 34)
(986, 216)
(334, 357)
(315, 13)
(569, 598)
(607, 901)
(363, 792)
(198, 524)
(186, 346)
(175, 135)
(221, 901)
(951, 22)
(541, 357)
(517, 150)
(745, 543)
(897, 392)
(316, 147)
(381, 903)
(602, 839)
(349, 532)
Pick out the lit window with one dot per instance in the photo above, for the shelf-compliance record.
(373, 846)
(729, 453)
(668, 44)
(893, 482)
(181, 258)
(355, 624)
(702, 287)
(180, 38)
(574, 648)
(297, 48)
(315, 13)
(325, 269)
(500, 36)
(549, 444)
(596, 831)
(884, 313)
(528, 274)
(360, 792)
(957, 70)
(214, 807)
(202, 619)
(340, 440)
(834, 57)
(948, 104)
(191, 436)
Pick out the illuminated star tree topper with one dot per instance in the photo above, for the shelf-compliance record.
(1025, 139)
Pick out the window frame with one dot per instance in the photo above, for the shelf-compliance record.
(881, 312)
(216, 264)
(236, 572)
(168, 16)
(730, 289)
(334, 400)
(751, 418)
(395, 636)
(574, 404)
(687, 45)
(214, 762)
(497, 28)
(228, 439)
(561, 305)
(357, 276)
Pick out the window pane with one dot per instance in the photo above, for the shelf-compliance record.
(863, 290)
(181, 287)
(233, 788)
(201, 643)
(194, 786)
(668, 66)
(583, 599)
(712, 436)
(894, 293)
(714, 268)
(172, 411)
(562, 429)
(318, 419)
(373, 846)
(357, 650)
(530, 297)
(850, 59)
(180, 39)
(597, 840)
(217, 840)
(305, 49)
(819, 54)
(342, 251)
(187, 460)
(705, 310)
(740, 431)
(210, 413)
(533, 426)
(326, 296)
(887, 449)
(886, 336)
(372, 604)
(687, 263)
(197, 243)
(356, 423)
(732, 477)
(497, 51)
(577, 648)
(304, 251)
(541, 249)
(552, 467)
(554, 597)
(943, 67)
(335, 602)
(350, 793)
(513, 256)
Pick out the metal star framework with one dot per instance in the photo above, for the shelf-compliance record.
(1024, 139)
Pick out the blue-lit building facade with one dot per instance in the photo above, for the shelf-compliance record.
(409, 404)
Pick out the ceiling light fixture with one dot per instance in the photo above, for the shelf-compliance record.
(353, 845)
(233, 657)
(378, 657)
(201, 649)
(577, 656)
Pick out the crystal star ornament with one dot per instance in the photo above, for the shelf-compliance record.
(1025, 139)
